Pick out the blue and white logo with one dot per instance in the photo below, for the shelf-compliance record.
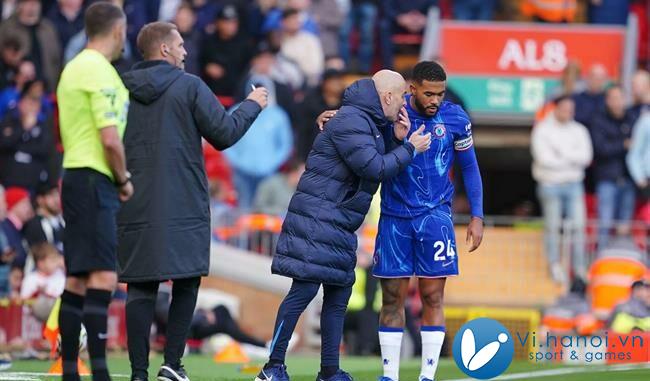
(439, 131)
(483, 348)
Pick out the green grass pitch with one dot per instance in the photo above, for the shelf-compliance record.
(305, 368)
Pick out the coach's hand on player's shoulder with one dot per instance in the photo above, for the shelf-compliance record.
(259, 95)
(126, 191)
(419, 141)
(474, 233)
(325, 117)
(403, 125)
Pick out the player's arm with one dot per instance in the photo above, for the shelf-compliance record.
(466, 156)
(102, 99)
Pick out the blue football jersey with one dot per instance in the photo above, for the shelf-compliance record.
(425, 184)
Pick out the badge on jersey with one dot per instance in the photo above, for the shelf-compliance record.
(439, 131)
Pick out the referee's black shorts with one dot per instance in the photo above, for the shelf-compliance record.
(90, 205)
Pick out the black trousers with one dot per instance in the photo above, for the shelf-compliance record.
(140, 309)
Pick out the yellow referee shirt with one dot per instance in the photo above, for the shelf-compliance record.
(91, 96)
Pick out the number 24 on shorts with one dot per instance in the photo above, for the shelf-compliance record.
(439, 246)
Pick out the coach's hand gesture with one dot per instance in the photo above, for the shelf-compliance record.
(259, 95)
(419, 141)
(403, 125)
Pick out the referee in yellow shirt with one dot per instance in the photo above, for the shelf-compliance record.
(93, 104)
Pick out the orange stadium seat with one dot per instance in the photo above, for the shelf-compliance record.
(609, 282)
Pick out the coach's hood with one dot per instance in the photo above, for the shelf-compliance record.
(362, 94)
(148, 80)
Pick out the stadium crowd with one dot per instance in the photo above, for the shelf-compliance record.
(233, 44)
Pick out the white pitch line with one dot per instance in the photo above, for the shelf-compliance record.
(563, 371)
(37, 376)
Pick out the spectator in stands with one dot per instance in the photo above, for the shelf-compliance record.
(258, 12)
(138, 13)
(26, 141)
(401, 17)
(640, 95)
(185, 20)
(284, 73)
(39, 38)
(225, 54)
(552, 11)
(608, 11)
(67, 18)
(10, 96)
(271, 68)
(561, 150)
(78, 43)
(633, 314)
(205, 10)
(7, 7)
(473, 9)
(610, 134)
(11, 55)
(273, 195)
(48, 279)
(638, 157)
(168, 8)
(7, 253)
(273, 21)
(47, 226)
(362, 15)
(221, 212)
(295, 42)
(263, 150)
(19, 211)
(592, 99)
(570, 81)
(327, 96)
(329, 17)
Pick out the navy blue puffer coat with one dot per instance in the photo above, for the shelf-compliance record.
(343, 171)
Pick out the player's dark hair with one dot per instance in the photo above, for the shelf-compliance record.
(561, 98)
(428, 71)
(100, 18)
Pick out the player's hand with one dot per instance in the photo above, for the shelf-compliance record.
(126, 191)
(403, 125)
(419, 141)
(259, 95)
(474, 233)
(325, 117)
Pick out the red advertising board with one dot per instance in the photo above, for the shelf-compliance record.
(530, 50)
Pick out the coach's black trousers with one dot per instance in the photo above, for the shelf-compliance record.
(140, 308)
